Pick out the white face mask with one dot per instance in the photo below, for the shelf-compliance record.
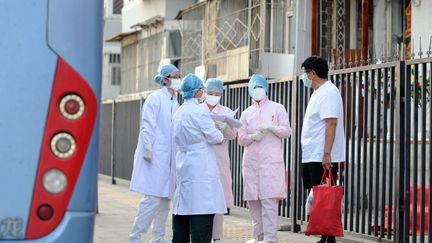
(259, 94)
(306, 81)
(175, 84)
(202, 98)
(212, 99)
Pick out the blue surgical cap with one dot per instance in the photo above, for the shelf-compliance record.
(257, 80)
(214, 85)
(190, 85)
(165, 71)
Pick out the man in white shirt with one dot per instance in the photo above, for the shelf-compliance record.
(322, 138)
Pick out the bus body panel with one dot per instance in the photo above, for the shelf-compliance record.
(75, 227)
(28, 66)
(75, 34)
(36, 34)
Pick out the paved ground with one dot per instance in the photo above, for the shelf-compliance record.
(117, 208)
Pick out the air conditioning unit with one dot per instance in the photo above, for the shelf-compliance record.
(277, 65)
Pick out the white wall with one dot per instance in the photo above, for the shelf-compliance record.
(303, 26)
(421, 25)
(379, 28)
(109, 91)
(137, 11)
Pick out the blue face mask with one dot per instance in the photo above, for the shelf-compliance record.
(306, 81)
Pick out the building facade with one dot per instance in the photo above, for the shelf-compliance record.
(233, 39)
(150, 37)
(359, 32)
(111, 70)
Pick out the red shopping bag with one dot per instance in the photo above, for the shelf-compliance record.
(326, 215)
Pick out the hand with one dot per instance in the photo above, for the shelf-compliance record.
(264, 127)
(221, 125)
(326, 163)
(148, 153)
(258, 136)
(267, 128)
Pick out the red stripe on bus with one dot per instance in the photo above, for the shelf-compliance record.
(67, 81)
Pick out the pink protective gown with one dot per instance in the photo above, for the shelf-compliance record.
(222, 155)
(263, 162)
(263, 165)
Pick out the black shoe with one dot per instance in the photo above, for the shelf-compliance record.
(327, 239)
(331, 239)
(323, 239)
(228, 212)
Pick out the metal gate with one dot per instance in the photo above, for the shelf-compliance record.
(388, 151)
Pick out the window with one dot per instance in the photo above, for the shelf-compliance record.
(114, 61)
(115, 75)
(114, 58)
(117, 6)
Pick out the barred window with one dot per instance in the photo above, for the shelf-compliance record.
(114, 60)
(115, 75)
(117, 6)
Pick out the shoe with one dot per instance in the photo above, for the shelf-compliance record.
(217, 241)
(331, 239)
(135, 240)
(252, 241)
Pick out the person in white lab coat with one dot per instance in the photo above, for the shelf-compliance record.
(199, 194)
(214, 92)
(154, 161)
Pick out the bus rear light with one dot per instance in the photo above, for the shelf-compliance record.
(63, 145)
(72, 107)
(54, 181)
(45, 212)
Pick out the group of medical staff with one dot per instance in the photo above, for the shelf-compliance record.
(182, 155)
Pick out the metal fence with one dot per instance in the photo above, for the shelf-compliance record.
(388, 151)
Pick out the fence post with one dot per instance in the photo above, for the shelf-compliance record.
(400, 158)
(113, 139)
(297, 105)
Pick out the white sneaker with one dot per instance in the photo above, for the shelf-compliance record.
(252, 241)
(217, 241)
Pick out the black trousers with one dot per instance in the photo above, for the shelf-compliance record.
(192, 228)
(312, 175)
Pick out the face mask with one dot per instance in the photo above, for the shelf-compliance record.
(306, 81)
(175, 83)
(259, 94)
(202, 98)
(213, 100)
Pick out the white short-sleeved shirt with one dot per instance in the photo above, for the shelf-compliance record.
(325, 102)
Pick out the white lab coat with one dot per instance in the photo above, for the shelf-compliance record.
(156, 178)
(198, 186)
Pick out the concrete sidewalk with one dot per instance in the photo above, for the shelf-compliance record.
(117, 208)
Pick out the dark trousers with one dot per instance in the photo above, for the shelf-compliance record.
(312, 175)
(198, 228)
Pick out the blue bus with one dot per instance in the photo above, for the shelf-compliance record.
(50, 72)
